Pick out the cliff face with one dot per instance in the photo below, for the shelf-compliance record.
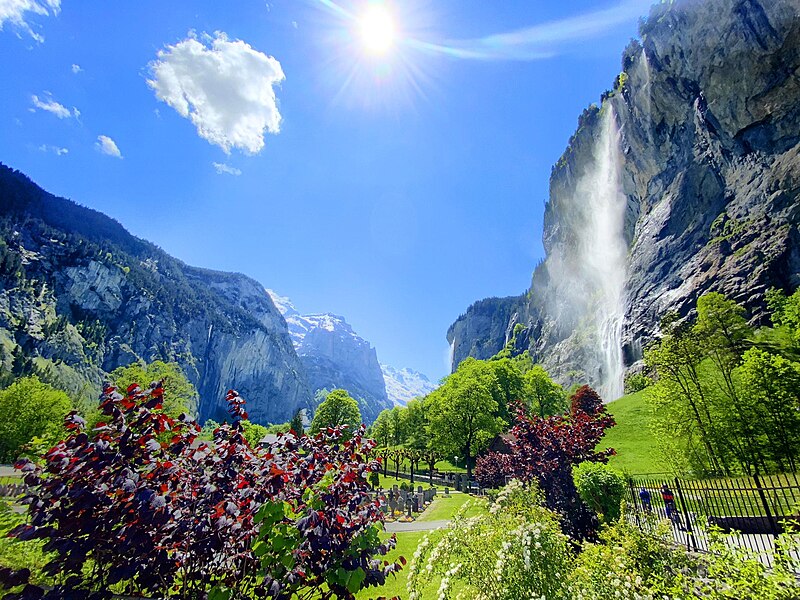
(80, 296)
(697, 145)
(334, 356)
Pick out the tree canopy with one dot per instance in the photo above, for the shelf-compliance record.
(29, 409)
(180, 396)
(725, 398)
(463, 413)
(338, 409)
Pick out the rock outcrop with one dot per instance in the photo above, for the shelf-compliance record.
(80, 296)
(708, 113)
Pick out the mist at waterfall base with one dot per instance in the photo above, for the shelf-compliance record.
(587, 270)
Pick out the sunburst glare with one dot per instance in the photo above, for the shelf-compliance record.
(377, 29)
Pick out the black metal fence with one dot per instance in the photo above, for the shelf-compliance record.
(753, 509)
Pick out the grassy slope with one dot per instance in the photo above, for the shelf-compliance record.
(632, 438)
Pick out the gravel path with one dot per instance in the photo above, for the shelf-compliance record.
(397, 527)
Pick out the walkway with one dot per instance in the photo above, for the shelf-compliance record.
(398, 527)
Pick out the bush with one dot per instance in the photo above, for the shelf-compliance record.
(515, 551)
(144, 508)
(601, 488)
(636, 382)
(543, 449)
(628, 563)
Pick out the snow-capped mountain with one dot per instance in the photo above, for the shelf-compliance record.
(403, 385)
(334, 356)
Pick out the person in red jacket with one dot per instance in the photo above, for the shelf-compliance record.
(669, 505)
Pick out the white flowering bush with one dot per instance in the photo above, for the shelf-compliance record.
(515, 551)
(629, 564)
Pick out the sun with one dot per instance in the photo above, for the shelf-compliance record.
(377, 30)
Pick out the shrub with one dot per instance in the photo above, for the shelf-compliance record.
(601, 488)
(636, 382)
(544, 450)
(515, 551)
(628, 563)
(144, 508)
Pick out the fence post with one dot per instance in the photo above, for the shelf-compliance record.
(634, 504)
(689, 531)
(772, 524)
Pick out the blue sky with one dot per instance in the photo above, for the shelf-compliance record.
(394, 188)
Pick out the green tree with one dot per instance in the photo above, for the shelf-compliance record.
(338, 409)
(296, 424)
(381, 432)
(462, 414)
(381, 429)
(28, 409)
(415, 424)
(397, 423)
(543, 395)
(771, 385)
(180, 395)
(682, 399)
(253, 432)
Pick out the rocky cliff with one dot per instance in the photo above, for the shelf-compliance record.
(334, 356)
(80, 296)
(685, 179)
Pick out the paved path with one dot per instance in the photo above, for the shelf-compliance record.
(398, 527)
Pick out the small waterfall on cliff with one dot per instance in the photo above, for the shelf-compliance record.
(451, 355)
(605, 253)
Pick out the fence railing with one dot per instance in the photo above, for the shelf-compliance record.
(753, 509)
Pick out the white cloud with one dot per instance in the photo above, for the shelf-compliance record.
(57, 150)
(16, 12)
(222, 168)
(540, 41)
(76, 68)
(107, 146)
(51, 106)
(225, 89)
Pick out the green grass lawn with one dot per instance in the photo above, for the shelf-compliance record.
(632, 438)
(407, 542)
(396, 585)
(444, 507)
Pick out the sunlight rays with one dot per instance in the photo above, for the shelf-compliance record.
(383, 55)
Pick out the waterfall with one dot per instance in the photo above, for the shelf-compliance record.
(451, 355)
(606, 254)
(590, 269)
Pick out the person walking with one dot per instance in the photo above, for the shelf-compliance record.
(669, 505)
(644, 497)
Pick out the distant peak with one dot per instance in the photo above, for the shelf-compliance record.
(282, 303)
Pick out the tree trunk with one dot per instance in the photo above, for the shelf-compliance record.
(467, 459)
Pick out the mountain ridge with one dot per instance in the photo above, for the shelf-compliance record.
(79, 270)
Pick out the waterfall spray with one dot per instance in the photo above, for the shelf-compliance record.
(605, 253)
